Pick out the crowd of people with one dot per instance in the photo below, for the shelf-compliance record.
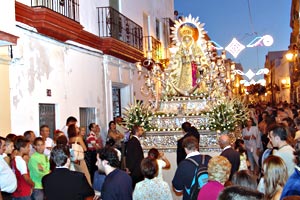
(263, 164)
(49, 168)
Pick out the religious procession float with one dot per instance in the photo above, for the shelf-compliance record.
(192, 87)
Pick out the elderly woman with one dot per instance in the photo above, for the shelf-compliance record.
(218, 170)
(152, 188)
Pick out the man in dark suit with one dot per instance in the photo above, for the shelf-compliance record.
(188, 130)
(228, 152)
(135, 155)
(63, 184)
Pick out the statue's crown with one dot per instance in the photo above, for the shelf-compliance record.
(186, 30)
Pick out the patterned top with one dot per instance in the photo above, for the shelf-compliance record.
(152, 189)
(243, 163)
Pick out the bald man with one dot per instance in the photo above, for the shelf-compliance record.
(228, 152)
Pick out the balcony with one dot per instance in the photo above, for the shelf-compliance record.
(60, 22)
(114, 24)
(67, 8)
(156, 51)
(121, 36)
(51, 18)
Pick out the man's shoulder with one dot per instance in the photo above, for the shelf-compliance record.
(286, 149)
(37, 156)
(133, 140)
(65, 172)
(188, 161)
(229, 150)
(122, 173)
(49, 142)
(91, 138)
(118, 176)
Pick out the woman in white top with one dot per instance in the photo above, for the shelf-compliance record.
(74, 137)
(162, 161)
(253, 144)
(239, 146)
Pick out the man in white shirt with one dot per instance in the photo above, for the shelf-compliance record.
(278, 136)
(49, 144)
(70, 120)
(8, 181)
(120, 126)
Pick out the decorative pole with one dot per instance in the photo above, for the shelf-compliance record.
(149, 40)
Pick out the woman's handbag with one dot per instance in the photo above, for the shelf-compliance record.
(77, 152)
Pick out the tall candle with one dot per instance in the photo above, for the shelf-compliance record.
(149, 36)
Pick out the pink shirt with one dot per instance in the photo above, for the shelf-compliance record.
(210, 191)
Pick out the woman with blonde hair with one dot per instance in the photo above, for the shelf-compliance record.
(275, 177)
(218, 170)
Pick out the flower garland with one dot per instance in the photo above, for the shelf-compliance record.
(227, 114)
(138, 114)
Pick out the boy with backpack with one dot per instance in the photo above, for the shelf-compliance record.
(191, 173)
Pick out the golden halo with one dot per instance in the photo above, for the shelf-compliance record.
(189, 25)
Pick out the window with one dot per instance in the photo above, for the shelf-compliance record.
(47, 116)
(157, 29)
(116, 101)
(87, 116)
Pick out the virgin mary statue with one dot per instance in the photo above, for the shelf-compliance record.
(188, 60)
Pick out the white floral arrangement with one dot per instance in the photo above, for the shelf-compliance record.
(139, 114)
(227, 114)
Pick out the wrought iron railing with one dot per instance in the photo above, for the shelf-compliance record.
(114, 24)
(68, 8)
(156, 50)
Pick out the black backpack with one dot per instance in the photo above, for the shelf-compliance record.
(199, 180)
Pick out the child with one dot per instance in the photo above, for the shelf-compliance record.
(38, 167)
(19, 166)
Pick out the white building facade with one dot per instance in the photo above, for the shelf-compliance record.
(50, 74)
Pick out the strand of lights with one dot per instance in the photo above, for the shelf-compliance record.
(235, 47)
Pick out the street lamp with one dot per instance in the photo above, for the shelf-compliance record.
(292, 57)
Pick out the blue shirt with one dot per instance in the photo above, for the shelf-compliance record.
(117, 186)
(292, 186)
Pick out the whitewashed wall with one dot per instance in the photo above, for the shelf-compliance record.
(77, 76)
(73, 74)
(89, 15)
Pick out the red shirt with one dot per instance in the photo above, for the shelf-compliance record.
(23, 188)
(92, 140)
